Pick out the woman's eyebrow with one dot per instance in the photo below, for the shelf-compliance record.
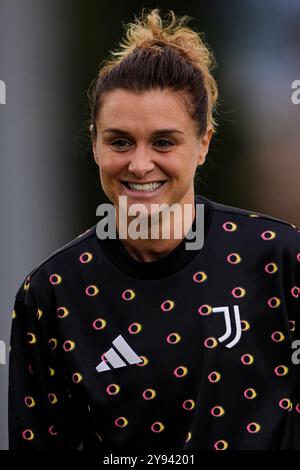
(155, 133)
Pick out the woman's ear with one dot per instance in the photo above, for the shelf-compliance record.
(204, 145)
(94, 143)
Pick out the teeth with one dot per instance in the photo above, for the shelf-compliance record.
(145, 187)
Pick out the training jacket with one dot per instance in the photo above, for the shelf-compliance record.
(190, 351)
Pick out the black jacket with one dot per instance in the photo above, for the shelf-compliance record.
(191, 351)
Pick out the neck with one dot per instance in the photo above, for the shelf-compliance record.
(160, 233)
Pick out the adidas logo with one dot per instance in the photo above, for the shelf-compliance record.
(115, 360)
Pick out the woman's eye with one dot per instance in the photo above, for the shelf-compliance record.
(122, 144)
(119, 144)
(166, 143)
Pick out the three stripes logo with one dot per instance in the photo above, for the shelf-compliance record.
(115, 359)
(228, 325)
(126, 352)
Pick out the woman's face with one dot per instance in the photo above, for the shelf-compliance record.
(148, 138)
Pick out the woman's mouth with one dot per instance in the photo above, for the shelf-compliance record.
(143, 188)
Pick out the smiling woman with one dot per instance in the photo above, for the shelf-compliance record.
(147, 149)
(125, 343)
(152, 120)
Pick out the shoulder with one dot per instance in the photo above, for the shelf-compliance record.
(47, 272)
(251, 226)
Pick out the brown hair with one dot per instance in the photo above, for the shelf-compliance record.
(159, 54)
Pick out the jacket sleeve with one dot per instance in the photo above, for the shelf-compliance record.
(291, 278)
(43, 413)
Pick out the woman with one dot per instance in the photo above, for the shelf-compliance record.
(141, 343)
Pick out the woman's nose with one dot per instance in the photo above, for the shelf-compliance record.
(141, 162)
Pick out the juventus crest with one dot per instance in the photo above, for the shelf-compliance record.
(230, 320)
